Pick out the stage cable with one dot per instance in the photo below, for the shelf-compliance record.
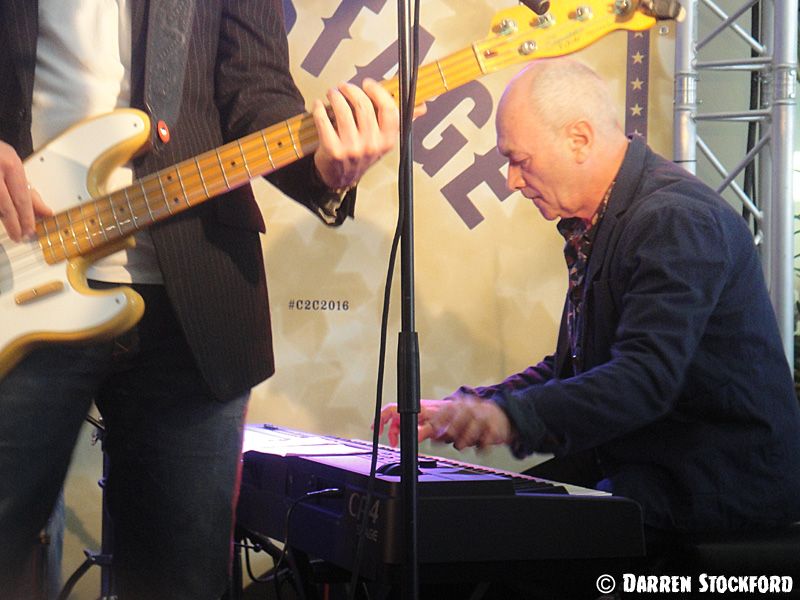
(750, 182)
(334, 492)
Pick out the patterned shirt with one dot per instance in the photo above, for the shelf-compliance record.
(578, 247)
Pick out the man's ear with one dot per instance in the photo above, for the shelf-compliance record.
(580, 137)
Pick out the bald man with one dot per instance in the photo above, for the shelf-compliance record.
(668, 384)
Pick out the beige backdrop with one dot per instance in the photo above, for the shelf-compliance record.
(488, 297)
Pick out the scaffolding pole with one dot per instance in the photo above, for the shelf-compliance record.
(774, 59)
(781, 217)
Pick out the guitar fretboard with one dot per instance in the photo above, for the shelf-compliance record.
(90, 226)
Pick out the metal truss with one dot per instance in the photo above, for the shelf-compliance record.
(765, 33)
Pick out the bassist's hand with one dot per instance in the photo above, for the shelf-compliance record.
(366, 127)
(20, 204)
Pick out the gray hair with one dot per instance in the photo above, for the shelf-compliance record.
(563, 90)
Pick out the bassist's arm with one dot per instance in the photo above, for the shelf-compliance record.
(255, 89)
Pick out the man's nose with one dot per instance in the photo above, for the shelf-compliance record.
(514, 180)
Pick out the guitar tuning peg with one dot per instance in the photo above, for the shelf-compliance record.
(544, 21)
(663, 9)
(538, 6)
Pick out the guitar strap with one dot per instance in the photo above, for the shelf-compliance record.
(168, 25)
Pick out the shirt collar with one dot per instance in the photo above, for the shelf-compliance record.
(574, 226)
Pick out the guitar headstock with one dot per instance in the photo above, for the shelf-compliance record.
(518, 34)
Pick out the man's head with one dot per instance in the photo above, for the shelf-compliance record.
(556, 124)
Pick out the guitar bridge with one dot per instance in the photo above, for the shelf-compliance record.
(38, 292)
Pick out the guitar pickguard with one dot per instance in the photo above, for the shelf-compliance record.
(42, 303)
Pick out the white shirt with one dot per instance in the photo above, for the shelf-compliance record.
(83, 66)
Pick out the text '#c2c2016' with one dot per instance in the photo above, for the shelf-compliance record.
(312, 305)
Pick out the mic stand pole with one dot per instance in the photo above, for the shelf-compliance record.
(408, 349)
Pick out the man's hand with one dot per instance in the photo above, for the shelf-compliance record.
(20, 205)
(366, 128)
(470, 421)
(390, 415)
(463, 419)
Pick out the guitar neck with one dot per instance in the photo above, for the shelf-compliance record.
(90, 226)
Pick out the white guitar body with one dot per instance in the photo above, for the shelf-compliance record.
(40, 302)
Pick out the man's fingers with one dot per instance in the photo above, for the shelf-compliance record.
(20, 191)
(390, 415)
(363, 110)
(8, 214)
(466, 421)
(362, 129)
(340, 149)
(23, 201)
(40, 209)
(19, 216)
(469, 434)
(394, 432)
(345, 107)
(464, 428)
(387, 412)
(426, 431)
(443, 423)
(325, 129)
(16, 210)
(388, 117)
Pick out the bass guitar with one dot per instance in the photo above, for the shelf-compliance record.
(44, 296)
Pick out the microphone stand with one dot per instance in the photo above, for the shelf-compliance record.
(408, 394)
(408, 384)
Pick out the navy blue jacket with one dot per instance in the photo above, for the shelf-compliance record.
(686, 396)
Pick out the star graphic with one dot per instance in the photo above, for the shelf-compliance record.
(637, 58)
(638, 34)
(637, 132)
(637, 84)
(636, 110)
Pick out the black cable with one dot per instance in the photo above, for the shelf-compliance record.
(276, 580)
(73, 579)
(256, 547)
(366, 590)
(750, 181)
(253, 577)
(405, 149)
(323, 493)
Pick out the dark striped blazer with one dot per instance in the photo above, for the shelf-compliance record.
(236, 80)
